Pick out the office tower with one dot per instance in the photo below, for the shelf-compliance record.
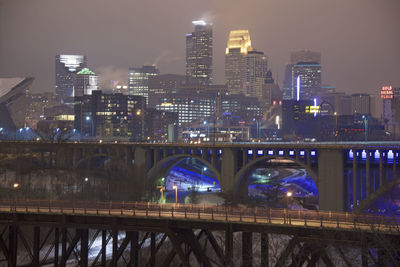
(243, 107)
(190, 104)
(159, 85)
(238, 45)
(306, 75)
(199, 53)
(254, 73)
(110, 115)
(66, 68)
(288, 92)
(161, 126)
(271, 97)
(85, 82)
(361, 104)
(139, 80)
(305, 56)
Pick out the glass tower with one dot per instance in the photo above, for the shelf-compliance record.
(199, 53)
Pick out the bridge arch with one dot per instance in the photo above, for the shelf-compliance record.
(244, 173)
(371, 198)
(88, 158)
(161, 168)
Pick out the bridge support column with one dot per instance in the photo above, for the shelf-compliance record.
(140, 166)
(12, 245)
(368, 176)
(354, 179)
(228, 245)
(264, 250)
(56, 245)
(228, 170)
(247, 249)
(330, 180)
(36, 246)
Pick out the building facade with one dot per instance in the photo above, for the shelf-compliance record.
(85, 82)
(66, 68)
(199, 53)
(139, 80)
(238, 45)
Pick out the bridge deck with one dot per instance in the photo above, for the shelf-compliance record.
(152, 216)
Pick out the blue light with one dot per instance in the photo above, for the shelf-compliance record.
(364, 154)
(270, 152)
(1, 129)
(260, 152)
(291, 153)
(298, 88)
(351, 154)
(220, 151)
(390, 154)
(87, 118)
(302, 153)
(249, 152)
(377, 154)
(280, 152)
(204, 122)
(313, 153)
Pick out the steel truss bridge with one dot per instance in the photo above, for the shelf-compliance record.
(58, 233)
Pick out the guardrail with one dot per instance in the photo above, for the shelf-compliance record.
(259, 215)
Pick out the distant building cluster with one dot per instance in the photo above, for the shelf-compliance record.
(250, 106)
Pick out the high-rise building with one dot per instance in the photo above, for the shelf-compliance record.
(159, 85)
(139, 80)
(199, 53)
(239, 44)
(255, 71)
(305, 75)
(361, 104)
(66, 68)
(391, 110)
(110, 115)
(85, 82)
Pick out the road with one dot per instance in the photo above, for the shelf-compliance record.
(189, 212)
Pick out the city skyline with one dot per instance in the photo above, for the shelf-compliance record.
(347, 49)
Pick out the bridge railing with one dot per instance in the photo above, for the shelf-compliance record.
(261, 215)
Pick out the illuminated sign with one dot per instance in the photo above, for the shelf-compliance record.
(312, 109)
(386, 92)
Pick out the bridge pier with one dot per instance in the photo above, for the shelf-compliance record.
(247, 249)
(330, 180)
(228, 170)
(264, 250)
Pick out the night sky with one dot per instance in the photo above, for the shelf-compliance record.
(359, 39)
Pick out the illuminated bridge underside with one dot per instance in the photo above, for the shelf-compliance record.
(347, 175)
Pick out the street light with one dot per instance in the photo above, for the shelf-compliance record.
(176, 192)
(88, 118)
(336, 125)
(203, 170)
(288, 195)
(256, 128)
(365, 118)
(208, 130)
(162, 188)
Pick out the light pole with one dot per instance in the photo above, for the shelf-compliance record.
(336, 125)
(176, 192)
(288, 195)
(203, 170)
(88, 118)
(365, 118)
(162, 188)
(256, 128)
(208, 130)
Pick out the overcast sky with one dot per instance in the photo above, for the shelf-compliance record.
(359, 39)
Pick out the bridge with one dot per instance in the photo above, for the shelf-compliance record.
(149, 234)
(348, 176)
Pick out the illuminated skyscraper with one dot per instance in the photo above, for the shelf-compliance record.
(199, 53)
(255, 70)
(306, 70)
(139, 80)
(66, 68)
(85, 82)
(239, 44)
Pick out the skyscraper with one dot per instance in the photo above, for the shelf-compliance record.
(66, 68)
(199, 53)
(139, 80)
(239, 44)
(306, 74)
(85, 82)
(255, 63)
